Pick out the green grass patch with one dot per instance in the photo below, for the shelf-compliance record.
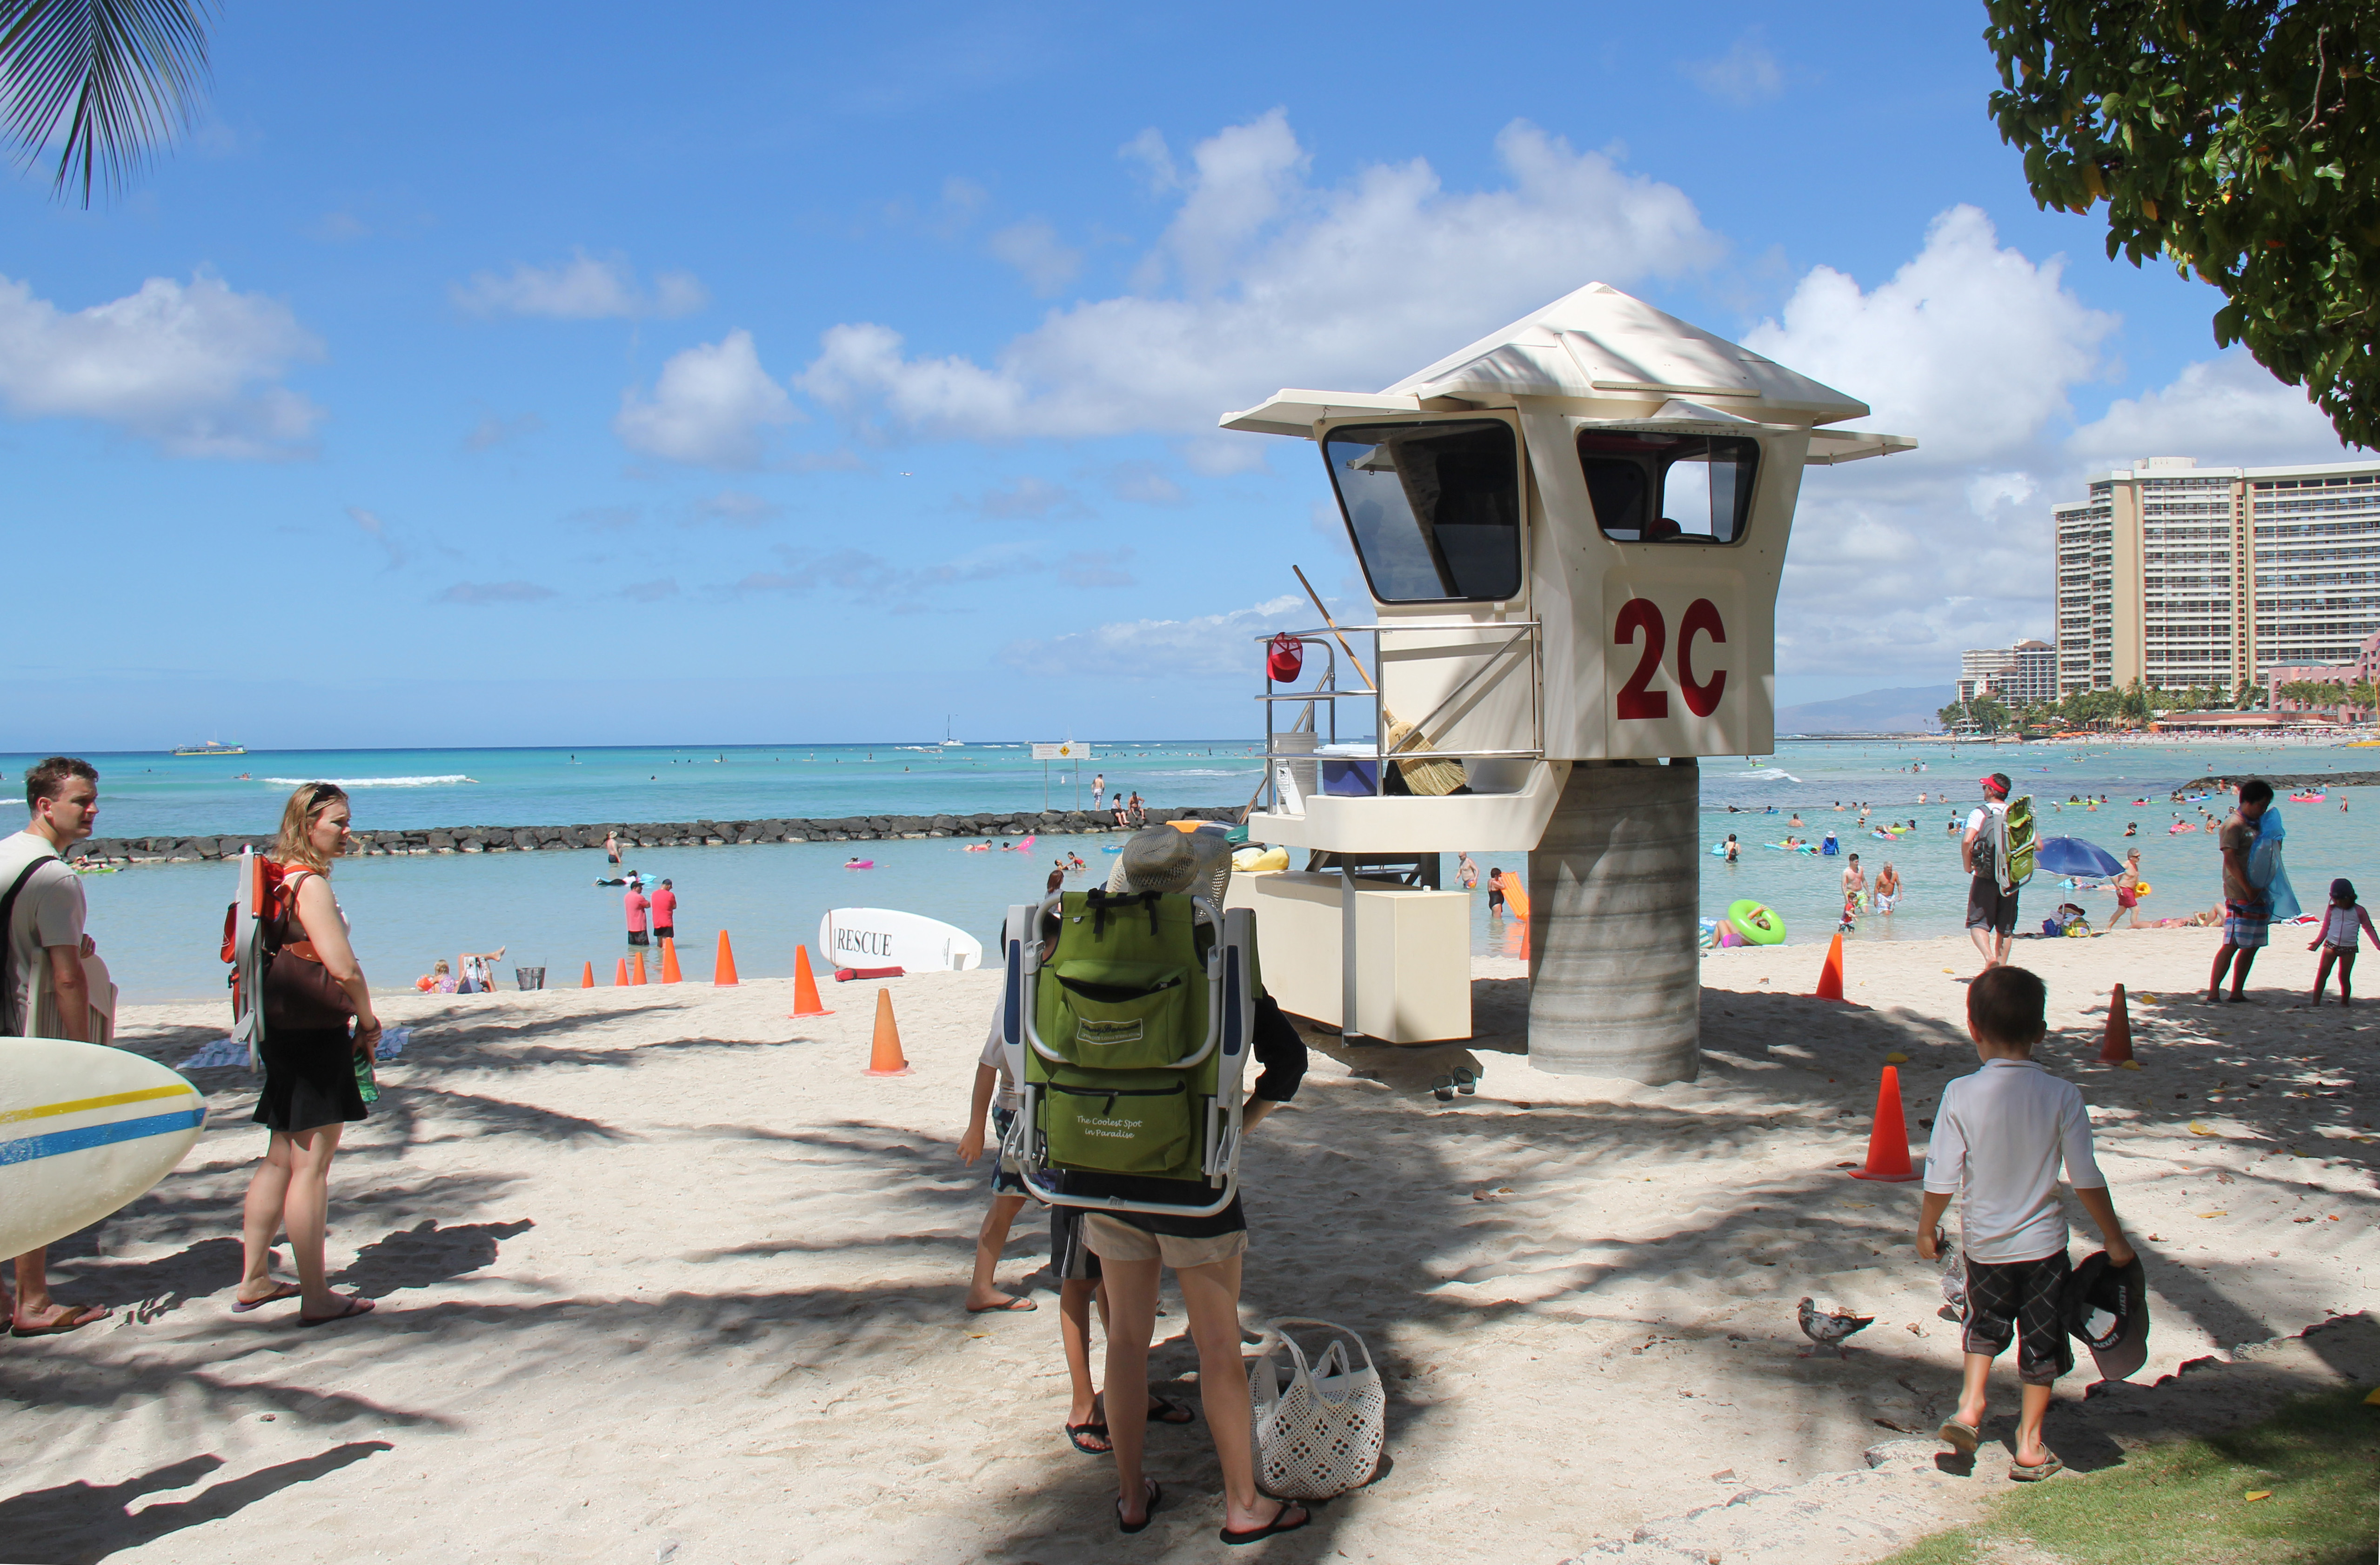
(2185, 1503)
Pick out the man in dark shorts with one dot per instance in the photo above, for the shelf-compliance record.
(665, 903)
(1991, 912)
(2247, 910)
(635, 904)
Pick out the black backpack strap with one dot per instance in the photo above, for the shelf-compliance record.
(11, 1023)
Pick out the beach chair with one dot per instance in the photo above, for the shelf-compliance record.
(1126, 1018)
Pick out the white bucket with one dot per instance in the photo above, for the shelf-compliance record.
(1306, 773)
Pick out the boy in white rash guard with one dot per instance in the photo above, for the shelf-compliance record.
(1999, 1136)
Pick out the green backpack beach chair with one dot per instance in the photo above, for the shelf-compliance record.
(2013, 853)
(1126, 1018)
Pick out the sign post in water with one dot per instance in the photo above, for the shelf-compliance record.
(1067, 751)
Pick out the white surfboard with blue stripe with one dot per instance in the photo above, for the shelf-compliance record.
(84, 1129)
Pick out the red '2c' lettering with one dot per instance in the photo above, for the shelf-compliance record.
(1641, 616)
(1635, 700)
(1701, 700)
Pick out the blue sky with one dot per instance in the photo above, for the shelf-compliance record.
(531, 374)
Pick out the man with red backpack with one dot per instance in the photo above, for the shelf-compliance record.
(44, 993)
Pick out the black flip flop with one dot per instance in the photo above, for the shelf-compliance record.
(1163, 1408)
(350, 1308)
(1156, 1493)
(1443, 1089)
(1278, 1524)
(281, 1291)
(1467, 1081)
(1076, 1433)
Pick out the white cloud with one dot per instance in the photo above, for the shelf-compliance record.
(859, 572)
(1745, 75)
(1146, 484)
(1901, 562)
(371, 526)
(736, 508)
(1969, 347)
(486, 592)
(1221, 454)
(2226, 410)
(1031, 498)
(1033, 247)
(582, 288)
(709, 406)
(1097, 567)
(492, 431)
(192, 367)
(1209, 645)
(651, 591)
(1277, 280)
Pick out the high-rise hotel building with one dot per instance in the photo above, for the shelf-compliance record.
(2177, 574)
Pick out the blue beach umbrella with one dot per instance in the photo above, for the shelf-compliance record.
(2073, 856)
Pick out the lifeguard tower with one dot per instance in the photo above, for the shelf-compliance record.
(1573, 532)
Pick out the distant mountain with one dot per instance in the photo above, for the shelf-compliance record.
(1906, 710)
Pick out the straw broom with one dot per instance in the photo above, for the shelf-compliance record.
(1432, 777)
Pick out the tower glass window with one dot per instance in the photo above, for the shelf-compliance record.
(1434, 508)
(1702, 483)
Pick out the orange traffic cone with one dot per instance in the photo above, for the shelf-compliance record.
(2116, 1046)
(722, 972)
(587, 977)
(1887, 1143)
(620, 979)
(1830, 972)
(806, 994)
(886, 1058)
(670, 974)
(636, 972)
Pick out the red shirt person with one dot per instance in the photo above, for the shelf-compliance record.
(664, 913)
(637, 904)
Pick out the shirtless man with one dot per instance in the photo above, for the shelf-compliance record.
(1854, 883)
(1887, 888)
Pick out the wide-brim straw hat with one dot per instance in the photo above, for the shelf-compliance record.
(1195, 863)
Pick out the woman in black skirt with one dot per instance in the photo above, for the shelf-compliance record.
(309, 1071)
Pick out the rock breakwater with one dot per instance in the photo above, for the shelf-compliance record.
(650, 834)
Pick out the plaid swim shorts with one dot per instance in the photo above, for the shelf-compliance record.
(2247, 925)
(2025, 1300)
(1007, 1179)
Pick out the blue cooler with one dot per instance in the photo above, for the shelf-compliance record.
(1353, 779)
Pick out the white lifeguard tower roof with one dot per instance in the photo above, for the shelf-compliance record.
(1597, 346)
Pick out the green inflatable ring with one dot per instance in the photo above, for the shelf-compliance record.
(1755, 923)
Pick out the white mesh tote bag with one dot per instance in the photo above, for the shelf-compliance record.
(1319, 1429)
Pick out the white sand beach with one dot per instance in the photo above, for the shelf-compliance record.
(662, 1276)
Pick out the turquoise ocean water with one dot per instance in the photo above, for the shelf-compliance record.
(159, 923)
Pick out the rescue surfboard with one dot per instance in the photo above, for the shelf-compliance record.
(883, 937)
(84, 1131)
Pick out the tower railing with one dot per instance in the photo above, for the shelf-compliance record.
(1323, 698)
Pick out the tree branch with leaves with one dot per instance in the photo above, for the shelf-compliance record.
(2240, 140)
(105, 81)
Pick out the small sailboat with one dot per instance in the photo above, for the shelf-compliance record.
(949, 743)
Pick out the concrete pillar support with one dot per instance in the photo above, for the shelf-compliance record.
(1615, 968)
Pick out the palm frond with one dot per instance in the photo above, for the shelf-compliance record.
(113, 79)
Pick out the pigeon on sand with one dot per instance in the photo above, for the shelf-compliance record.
(1829, 1327)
